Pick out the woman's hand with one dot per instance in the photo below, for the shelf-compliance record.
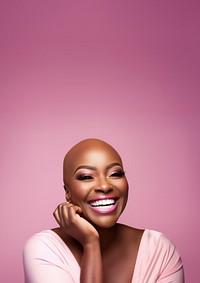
(68, 217)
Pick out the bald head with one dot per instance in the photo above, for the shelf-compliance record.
(85, 152)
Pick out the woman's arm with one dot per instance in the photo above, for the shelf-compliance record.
(91, 264)
(69, 219)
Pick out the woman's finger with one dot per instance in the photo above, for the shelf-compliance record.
(66, 214)
(56, 216)
(57, 213)
(73, 211)
(63, 211)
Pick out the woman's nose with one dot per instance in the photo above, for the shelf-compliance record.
(104, 187)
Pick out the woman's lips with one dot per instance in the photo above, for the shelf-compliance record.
(106, 205)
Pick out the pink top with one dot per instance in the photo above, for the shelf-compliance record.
(47, 259)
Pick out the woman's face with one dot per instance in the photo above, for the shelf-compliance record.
(97, 183)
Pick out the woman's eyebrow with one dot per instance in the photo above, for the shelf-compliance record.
(94, 168)
(113, 164)
(85, 167)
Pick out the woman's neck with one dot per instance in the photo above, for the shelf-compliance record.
(107, 236)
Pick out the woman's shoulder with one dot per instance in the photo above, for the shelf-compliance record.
(157, 256)
(151, 241)
(47, 245)
(157, 248)
(41, 236)
(46, 252)
(43, 242)
(154, 238)
(158, 253)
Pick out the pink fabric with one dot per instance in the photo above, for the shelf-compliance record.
(158, 260)
(47, 259)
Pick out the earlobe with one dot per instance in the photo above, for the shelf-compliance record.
(67, 194)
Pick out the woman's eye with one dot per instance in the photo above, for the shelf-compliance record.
(117, 174)
(84, 177)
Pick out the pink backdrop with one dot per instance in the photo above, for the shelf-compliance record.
(124, 71)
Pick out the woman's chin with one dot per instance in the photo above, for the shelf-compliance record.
(103, 222)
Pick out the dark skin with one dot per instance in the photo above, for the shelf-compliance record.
(93, 171)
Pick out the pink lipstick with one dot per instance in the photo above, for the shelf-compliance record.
(104, 205)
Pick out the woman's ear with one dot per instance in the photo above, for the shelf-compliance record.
(67, 194)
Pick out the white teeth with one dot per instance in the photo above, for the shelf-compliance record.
(102, 202)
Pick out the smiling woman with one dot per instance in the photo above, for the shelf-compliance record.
(89, 245)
